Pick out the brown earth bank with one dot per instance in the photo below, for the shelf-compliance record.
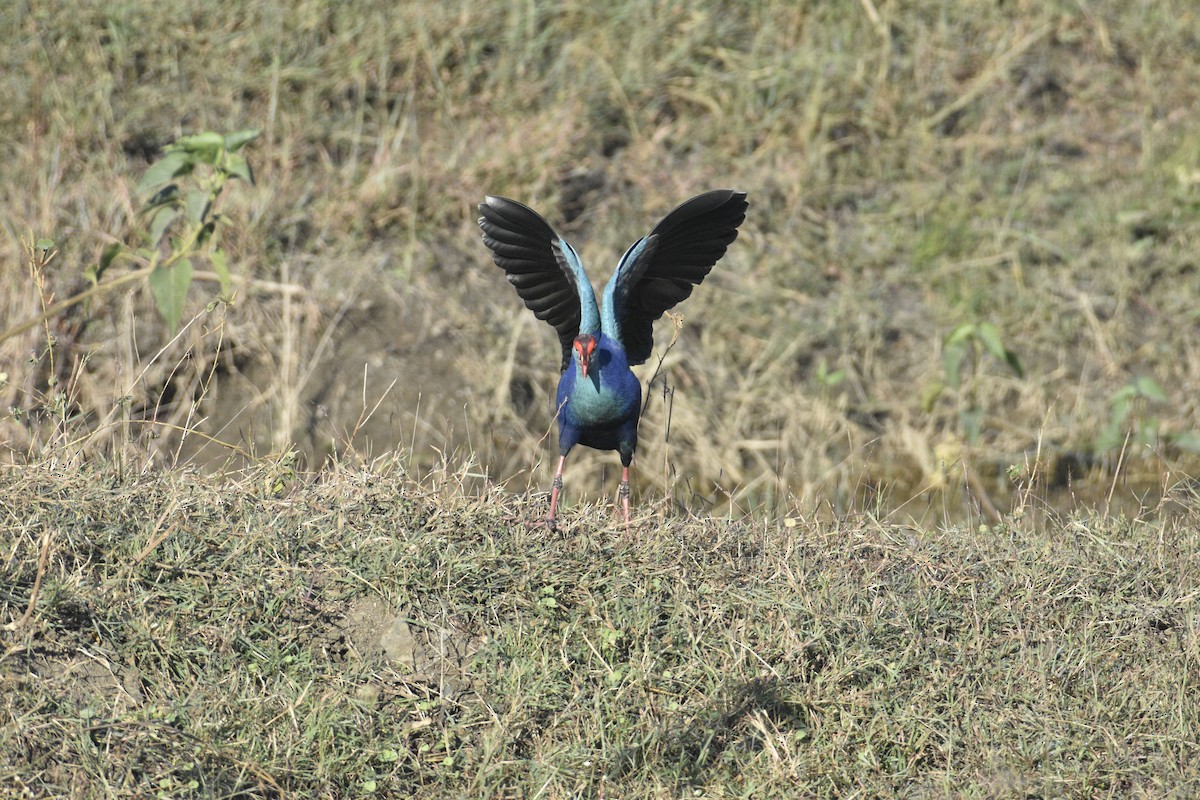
(967, 274)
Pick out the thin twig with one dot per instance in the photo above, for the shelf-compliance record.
(677, 321)
(103, 288)
(37, 585)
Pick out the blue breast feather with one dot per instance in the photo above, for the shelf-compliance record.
(601, 410)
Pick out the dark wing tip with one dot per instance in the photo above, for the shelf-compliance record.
(731, 202)
(687, 243)
(719, 197)
(523, 245)
(718, 209)
(512, 215)
(707, 201)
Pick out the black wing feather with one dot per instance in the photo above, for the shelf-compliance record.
(677, 255)
(525, 247)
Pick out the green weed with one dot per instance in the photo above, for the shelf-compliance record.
(967, 345)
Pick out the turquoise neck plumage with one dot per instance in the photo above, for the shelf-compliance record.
(608, 322)
(589, 316)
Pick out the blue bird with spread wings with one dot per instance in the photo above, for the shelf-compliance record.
(599, 397)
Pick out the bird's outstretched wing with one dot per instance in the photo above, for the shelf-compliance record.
(662, 268)
(545, 270)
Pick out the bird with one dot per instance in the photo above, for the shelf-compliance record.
(598, 402)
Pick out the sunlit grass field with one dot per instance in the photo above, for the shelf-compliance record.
(1027, 170)
(916, 484)
(364, 635)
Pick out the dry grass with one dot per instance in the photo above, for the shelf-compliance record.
(360, 634)
(910, 168)
(852, 578)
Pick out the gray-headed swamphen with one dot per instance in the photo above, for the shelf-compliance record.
(599, 397)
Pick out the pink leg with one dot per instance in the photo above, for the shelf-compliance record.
(623, 493)
(551, 518)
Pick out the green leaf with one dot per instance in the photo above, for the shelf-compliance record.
(1147, 431)
(1109, 439)
(1014, 363)
(952, 358)
(164, 196)
(204, 147)
(1147, 387)
(107, 256)
(930, 396)
(961, 334)
(971, 420)
(205, 233)
(162, 220)
(1126, 393)
(1187, 440)
(990, 337)
(45, 245)
(827, 378)
(172, 165)
(217, 257)
(238, 167)
(1120, 409)
(198, 203)
(169, 286)
(987, 335)
(235, 141)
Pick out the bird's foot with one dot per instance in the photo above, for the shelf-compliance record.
(623, 500)
(555, 488)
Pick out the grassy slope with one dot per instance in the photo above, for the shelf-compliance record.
(196, 636)
(911, 168)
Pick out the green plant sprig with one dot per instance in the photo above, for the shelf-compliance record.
(170, 272)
